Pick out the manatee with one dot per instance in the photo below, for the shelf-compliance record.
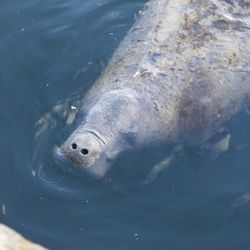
(181, 73)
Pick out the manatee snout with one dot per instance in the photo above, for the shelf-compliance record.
(85, 151)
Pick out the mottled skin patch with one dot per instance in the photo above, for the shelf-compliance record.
(195, 107)
(182, 71)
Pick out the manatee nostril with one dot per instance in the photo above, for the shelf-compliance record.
(73, 145)
(84, 151)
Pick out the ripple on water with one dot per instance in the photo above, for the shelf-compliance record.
(46, 170)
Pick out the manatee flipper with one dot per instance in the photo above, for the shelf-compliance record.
(162, 165)
(216, 145)
(157, 169)
(64, 111)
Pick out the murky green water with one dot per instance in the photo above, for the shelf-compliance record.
(51, 52)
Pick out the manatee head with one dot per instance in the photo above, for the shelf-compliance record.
(107, 128)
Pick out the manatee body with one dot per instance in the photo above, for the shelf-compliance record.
(181, 72)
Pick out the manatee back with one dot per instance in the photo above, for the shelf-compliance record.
(190, 60)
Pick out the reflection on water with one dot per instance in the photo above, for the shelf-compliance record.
(51, 53)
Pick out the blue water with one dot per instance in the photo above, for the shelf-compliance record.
(51, 53)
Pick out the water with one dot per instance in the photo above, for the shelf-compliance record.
(51, 52)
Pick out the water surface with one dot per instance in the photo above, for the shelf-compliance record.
(51, 53)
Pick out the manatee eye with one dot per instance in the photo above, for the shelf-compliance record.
(73, 145)
(84, 151)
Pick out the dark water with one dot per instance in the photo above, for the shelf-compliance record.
(51, 52)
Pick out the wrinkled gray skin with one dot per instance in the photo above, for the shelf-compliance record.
(182, 71)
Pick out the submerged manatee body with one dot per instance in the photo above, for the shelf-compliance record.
(182, 71)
